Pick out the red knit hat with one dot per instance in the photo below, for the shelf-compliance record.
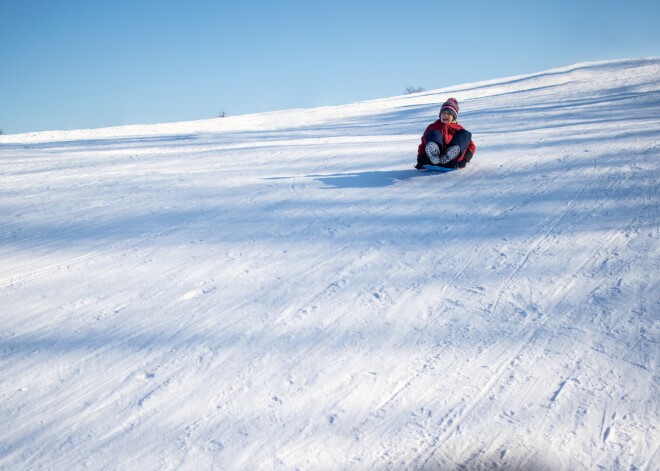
(451, 106)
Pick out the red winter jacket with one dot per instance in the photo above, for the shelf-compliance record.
(447, 131)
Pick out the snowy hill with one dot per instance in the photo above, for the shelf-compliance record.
(284, 291)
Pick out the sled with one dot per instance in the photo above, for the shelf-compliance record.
(435, 168)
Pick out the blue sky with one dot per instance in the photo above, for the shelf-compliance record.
(70, 64)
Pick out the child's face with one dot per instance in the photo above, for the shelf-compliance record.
(446, 117)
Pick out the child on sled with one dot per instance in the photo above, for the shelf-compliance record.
(445, 143)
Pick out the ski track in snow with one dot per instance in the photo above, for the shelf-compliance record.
(284, 291)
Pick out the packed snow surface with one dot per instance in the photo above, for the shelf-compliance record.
(283, 291)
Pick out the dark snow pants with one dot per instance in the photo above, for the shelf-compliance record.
(461, 139)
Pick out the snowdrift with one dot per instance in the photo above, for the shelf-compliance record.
(284, 291)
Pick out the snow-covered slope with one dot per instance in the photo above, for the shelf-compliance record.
(284, 291)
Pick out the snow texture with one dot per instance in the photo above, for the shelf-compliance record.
(283, 290)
